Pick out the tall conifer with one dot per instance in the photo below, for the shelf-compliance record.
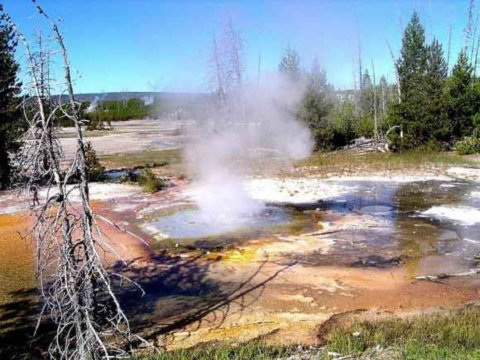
(9, 90)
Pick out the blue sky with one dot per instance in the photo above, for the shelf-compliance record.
(146, 45)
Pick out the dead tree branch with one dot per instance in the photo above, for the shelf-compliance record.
(76, 289)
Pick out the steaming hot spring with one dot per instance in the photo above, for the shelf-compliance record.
(221, 152)
(232, 208)
(193, 223)
(228, 208)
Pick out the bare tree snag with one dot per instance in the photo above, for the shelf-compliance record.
(375, 119)
(397, 77)
(76, 289)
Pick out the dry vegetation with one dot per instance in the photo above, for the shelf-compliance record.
(169, 162)
(152, 158)
(339, 163)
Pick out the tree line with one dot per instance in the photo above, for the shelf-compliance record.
(104, 112)
(429, 107)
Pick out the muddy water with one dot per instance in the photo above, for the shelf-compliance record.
(396, 223)
(412, 221)
(189, 223)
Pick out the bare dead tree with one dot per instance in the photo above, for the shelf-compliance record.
(233, 45)
(360, 71)
(474, 38)
(449, 45)
(471, 36)
(355, 89)
(217, 75)
(395, 68)
(469, 28)
(475, 62)
(383, 86)
(76, 289)
(226, 71)
(375, 119)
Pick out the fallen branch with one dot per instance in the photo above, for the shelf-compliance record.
(110, 222)
(446, 276)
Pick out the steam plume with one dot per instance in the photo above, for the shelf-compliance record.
(255, 121)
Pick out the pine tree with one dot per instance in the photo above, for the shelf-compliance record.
(411, 112)
(436, 64)
(436, 117)
(290, 65)
(316, 105)
(463, 102)
(412, 63)
(318, 78)
(9, 90)
(366, 95)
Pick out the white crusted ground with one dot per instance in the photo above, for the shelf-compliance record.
(465, 215)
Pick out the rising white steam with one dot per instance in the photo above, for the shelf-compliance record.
(257, 121)
(93, 105)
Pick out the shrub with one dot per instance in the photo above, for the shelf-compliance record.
(468, 145)
(150, 182)
(365, 127)
(95, 169)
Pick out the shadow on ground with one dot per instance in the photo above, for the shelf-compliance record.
(17, 325)
(178, 293)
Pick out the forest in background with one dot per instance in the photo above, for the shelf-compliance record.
(432, 105)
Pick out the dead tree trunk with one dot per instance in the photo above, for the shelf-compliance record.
(77, 290)
(397, 76)
(375, 119)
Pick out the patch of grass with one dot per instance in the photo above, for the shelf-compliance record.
(153, 158)
(339, 162)
(468, 145)
(455, 335)
(149, 182)
(249, 351)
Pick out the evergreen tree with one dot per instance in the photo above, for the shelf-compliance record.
(290, 65)
(9, 89)
(463, 101)
(436, 64)
(315, 107)
(411, 112)
(436, 117)
(347, 124)
(318, 78)
(366, 95)
(412, 63)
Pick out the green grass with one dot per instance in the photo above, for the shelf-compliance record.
(451, 335)
(340, 162)
(318, 163)
(149, 182)
(249, 351)
(153, 158)
(455, 335)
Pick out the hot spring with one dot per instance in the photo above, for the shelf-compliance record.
(190, 223)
